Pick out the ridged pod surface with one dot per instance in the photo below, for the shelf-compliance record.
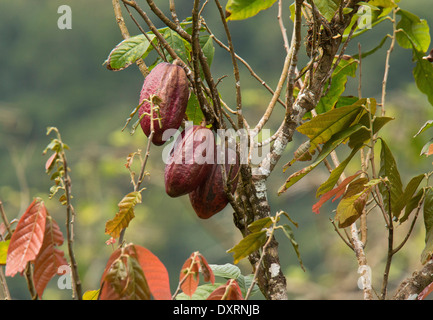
(210, 198)
(170, 83)
(190, 161)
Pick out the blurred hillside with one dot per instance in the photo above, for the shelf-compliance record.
(53, 77)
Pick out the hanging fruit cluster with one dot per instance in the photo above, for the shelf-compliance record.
(192, 167)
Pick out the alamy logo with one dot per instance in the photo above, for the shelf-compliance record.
(65, 20)
(220, 150)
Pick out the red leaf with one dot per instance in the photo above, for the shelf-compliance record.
(189, 274)
(49, 259)
(27, 238)
(337, 192)
(228, 291)
(153, 269)
(206, 270)
(50, 161)
(155, 272)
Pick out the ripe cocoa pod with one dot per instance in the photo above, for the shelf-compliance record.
(210, 198)
(190, 161)
(170, 83)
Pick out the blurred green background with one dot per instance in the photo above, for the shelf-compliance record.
(53, 77)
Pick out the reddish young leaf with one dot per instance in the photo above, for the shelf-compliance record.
(337, 192)
(228, 291)
(50, 258)
(27, 238)
(206, 270)
(50, 162)
(155, 272)
(123, 277)
(189, 274)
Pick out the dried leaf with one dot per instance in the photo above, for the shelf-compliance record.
(26, 241)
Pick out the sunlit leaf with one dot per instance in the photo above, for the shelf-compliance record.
(244, 9)
(27, 239)
(248, 245)
(329, 146)
(124, 215)
(346, 68)
(260, 224)
(320, 129)
(416, 33)
(353, 202)
(4, 245)
(129, 51)
(91, 295)
(327, 8)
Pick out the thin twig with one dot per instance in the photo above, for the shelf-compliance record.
(125, 34)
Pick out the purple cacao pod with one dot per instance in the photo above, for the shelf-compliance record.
(170, 83)
(190, 160)
(210, 198)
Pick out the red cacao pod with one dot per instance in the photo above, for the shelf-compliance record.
(170, 83)
(190, 161)
(210, 198)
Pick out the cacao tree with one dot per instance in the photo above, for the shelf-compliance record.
(181, 95)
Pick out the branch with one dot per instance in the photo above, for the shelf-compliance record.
(413, 286)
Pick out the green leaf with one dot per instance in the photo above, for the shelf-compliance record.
(416, 33)
(128, 51)
(201, 293)
(321, 128)
(353, 202)
(412, 204)
(178, 44)
(260, 224)
(383, 3)
(363, 136)
(248, 245)
(327, 8)
(290, 235)
(407, 195)
(335, 174)
(388, 169)
(329, 146)
(227, 271)
(346, 68)
(428, 224)
(423, 74)
(428, 124)
(244, 9)
(245, 284)
(193, 110)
